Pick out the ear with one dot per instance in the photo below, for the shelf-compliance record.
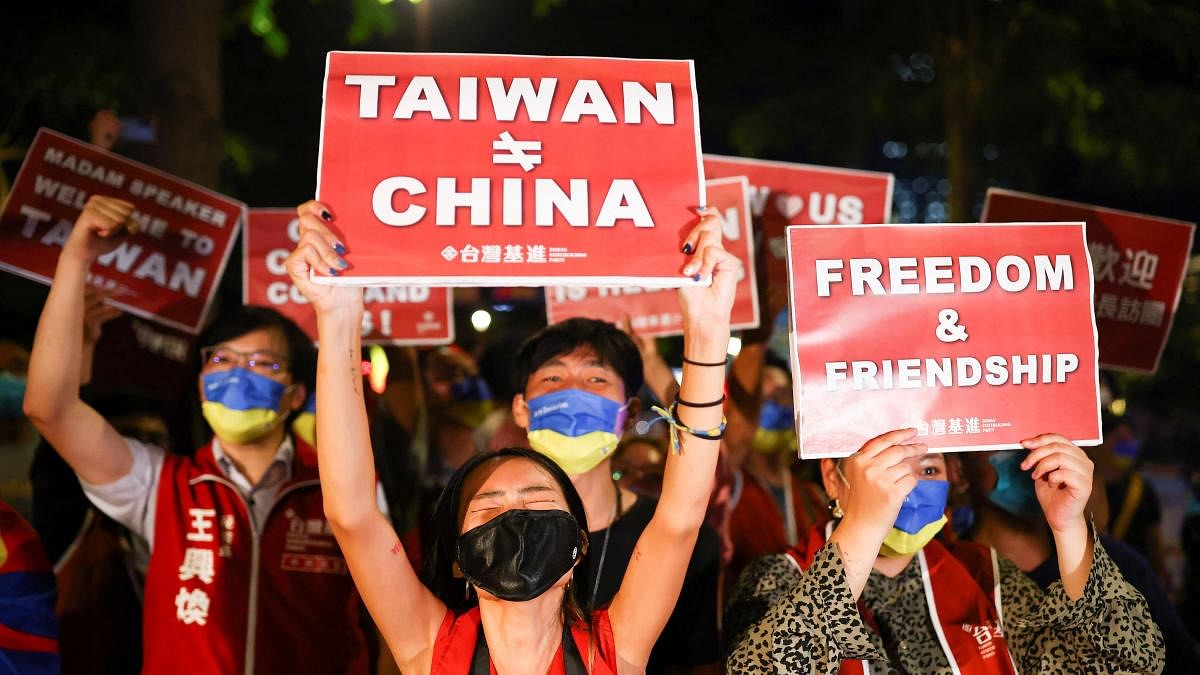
(829, 476)
(520, 411)
(297, 397)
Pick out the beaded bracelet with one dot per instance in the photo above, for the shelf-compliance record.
(671, 416)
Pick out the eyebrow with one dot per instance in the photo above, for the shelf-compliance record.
(523, 491)
(594, 363)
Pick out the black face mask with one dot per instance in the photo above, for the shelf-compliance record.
(519, 554)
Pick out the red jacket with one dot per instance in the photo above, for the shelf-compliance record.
(221, 599)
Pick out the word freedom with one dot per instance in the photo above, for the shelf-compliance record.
(971, 275)
(960, 371)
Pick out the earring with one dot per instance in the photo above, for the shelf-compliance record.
(835, 509)
(466, 590)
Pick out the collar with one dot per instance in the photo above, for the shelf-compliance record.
(285, 455)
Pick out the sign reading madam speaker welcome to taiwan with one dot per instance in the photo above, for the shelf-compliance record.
(976, 335)
(655, 312)
(1140, 262)
(461, 169)
(394, 315)
(167, 272)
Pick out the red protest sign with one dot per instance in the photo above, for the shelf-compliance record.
(976, 335)
(464, 169)
(394, 315)
(784, 193)
(655, 312)
(1139, 261)
(167, 272)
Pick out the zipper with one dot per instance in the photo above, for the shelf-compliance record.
(255, 555)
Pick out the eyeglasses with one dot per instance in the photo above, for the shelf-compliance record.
(224, 358)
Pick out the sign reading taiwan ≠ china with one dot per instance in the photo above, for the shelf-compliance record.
(397, 315)
(978, 336)
(654, 311)
(465, 169)
(167, 272)
(783, 193)
(1139, 263)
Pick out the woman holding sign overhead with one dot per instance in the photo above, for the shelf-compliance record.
(510, 522)
(914, 604)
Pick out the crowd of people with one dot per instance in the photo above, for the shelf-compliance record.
(565, 506)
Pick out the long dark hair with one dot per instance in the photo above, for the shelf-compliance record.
(438, 570)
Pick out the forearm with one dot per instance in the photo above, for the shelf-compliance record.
(56, 359)
(689, 474)
(343, 438)
(1075, 556)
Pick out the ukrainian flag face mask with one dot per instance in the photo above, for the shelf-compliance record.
(241, 405)
(776, 431)
(305, 424)
(921, 517)
(575, 428)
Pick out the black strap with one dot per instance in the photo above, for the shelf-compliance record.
(481, 661)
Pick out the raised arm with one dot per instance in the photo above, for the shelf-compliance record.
(85, 440)
(406, 612)
(655, 574)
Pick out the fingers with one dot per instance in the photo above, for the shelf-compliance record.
(707, 261)
(1056, 457)
(106, 215)
(705, 233)
(883, 441)
(315, 218)
(1043, 439)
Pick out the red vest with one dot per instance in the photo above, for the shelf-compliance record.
(222, 600)
(962, 591)
(454, 647)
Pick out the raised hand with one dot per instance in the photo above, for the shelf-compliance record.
(1062, 478)
(100, 227)
(711, 304)
(320, 252)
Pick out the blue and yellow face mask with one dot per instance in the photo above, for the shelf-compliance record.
(776, 431)
(305, 423)
(241, 405)
(921, 517)
(575, 428)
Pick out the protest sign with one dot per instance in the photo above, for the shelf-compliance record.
(394, 315)
(167, 272)
(463, 169)
(976, 335)
(784, 193)
(1139, 261)
(654, 312)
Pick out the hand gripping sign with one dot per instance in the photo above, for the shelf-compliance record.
(167, 272)
(783, 193)
(976, 335)
(654, 312)
(395, 315)
(462, 169)
(1139, 261)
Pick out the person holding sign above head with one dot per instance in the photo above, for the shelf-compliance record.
(505, 589)
(244, 573)
(928, 607)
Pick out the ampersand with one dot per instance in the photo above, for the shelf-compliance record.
(948, 329)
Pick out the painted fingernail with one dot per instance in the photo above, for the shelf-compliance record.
(333, 272)
(327, 216)
(337, 246)
(687, 248)
(342, 263)
(687, 271)
(700, 210)
(696, 276)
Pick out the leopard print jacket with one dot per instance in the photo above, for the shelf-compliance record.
(782, 621)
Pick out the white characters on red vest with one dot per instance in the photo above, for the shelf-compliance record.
(198, 563)
(191, 605)
(985, 636)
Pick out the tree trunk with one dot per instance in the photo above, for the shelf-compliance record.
(181, 86)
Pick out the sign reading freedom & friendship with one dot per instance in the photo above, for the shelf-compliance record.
(976, 335)
(393, 315)
(1140, 262)
(654, 312)
(167, 272)
(461, 169)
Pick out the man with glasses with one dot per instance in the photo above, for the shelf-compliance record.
(244, 573)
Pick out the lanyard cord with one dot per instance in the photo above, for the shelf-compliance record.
(604, 547)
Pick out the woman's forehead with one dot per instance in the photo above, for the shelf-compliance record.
(507, 474)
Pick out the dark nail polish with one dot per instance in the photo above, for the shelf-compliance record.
(687, 248)
(333, 272)
(343, 264)
(696, 276)
(337, 246)
(326, 215)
